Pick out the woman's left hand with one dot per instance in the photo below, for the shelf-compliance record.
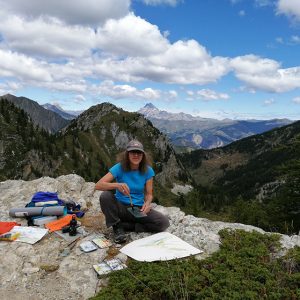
(146, 208)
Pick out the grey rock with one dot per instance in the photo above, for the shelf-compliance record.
(29, 268)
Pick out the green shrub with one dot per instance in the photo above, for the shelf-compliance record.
(243, 268)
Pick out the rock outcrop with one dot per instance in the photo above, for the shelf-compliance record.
(52, 269)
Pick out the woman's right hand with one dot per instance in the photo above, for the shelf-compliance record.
(123, 188)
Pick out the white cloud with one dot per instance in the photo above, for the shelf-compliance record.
(65, 86)
(160, 2)
(9, 87)
(279, 40)
(296, 100)
(47, 37)
(269, 102)
(172, 94)
(207, 94)
(290, 8)
(252, 64)
(131, 36)
(86, 12)
(242, 13)
(22, 67)
(184, 62)
(108, 88)
(80, 98)
(265, 74)
(295, 39)
(46, 52)
(261, 3)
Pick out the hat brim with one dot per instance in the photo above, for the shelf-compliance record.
(134, 149)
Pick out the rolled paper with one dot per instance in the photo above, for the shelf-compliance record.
(37, 211)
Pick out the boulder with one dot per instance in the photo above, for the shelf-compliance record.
(54, 269)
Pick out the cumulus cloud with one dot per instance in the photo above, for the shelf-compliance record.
(22, 67)
(131, 36)
(269, 102)
(42, 74)
(47, 49)
(290, 8)
(80, 99)
(108, 88)
(184, 62)
(160, 2)
(296, 100)
(265, 74)
(295, 39)
(9, 87)
(261, 3)
(207, 94)
(86, 12)
(48, 38)
(172, 94)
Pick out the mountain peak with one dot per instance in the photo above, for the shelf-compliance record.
(150, 106)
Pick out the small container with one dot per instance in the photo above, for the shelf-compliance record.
(73, 226)
(44, 220)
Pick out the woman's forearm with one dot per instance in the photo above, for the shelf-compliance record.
(148, 198)
(106, 186)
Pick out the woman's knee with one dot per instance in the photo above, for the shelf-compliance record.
(164, 223)
(105, 198)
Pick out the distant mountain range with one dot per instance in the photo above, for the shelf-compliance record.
(256, 179)
(87, 146)
(44, 118)
(57, 109)
(185, 130)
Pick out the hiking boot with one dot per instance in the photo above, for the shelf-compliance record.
(120, 236)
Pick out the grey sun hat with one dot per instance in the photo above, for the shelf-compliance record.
(135, 145)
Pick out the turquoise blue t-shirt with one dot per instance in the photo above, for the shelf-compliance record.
(136, 182)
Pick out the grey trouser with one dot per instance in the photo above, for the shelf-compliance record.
(115, 212)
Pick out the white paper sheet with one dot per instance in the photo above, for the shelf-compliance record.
(160, 246)
(29, 235)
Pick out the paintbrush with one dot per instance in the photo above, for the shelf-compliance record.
(135, 211)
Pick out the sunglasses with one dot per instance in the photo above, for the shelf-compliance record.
(136, 152)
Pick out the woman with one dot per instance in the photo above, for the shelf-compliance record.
(132, 178)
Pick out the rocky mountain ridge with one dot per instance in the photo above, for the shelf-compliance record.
(57, 109)
(52, 270)
(44, 118)
(185, 130)
(88, 146)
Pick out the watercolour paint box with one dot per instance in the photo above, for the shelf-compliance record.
(102, 242)
(87, 246)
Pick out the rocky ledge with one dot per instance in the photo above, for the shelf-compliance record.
(52, 269)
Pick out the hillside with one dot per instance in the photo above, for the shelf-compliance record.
(262, 170)
(242, 260)
(26, 151)
(88, 146)
(44, 118)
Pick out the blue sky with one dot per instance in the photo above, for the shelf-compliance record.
(212, 58)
